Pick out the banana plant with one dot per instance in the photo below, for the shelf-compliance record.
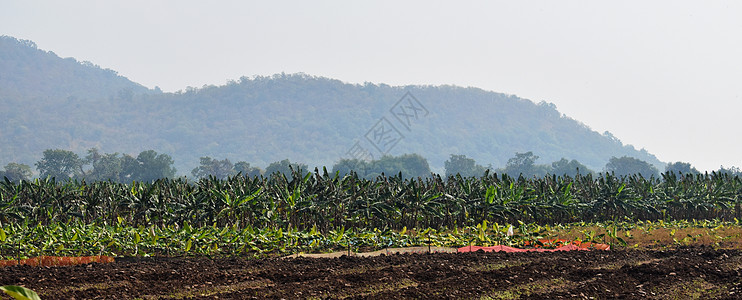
(19, 292)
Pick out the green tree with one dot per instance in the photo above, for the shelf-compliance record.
(524, 164)
(681, 167)
(466, 167)
(284, 167)
(346, 165)
(59, 164)
(734, 171)
(130, 168)
(147, 167)
(221, 169)
(247, 170)
(415, 165)
(630, 166)
(16, 172)
(410, 165)
(107, 166)
(568, 167)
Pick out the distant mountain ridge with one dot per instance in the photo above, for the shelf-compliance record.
(28, 72)
(50, 102)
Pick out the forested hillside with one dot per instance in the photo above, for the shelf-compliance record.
(28, 73)
(49, 102)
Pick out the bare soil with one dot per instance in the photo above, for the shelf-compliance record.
(698, 272)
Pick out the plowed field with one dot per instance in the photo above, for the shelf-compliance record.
(702, 273)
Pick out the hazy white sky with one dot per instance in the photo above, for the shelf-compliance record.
(661, 75)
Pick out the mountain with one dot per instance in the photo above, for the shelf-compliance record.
(50, 102)
(44, 101)
(27, 72)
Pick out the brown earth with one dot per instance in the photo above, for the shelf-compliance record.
(698, 272)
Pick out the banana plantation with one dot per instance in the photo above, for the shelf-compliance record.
(320, 211)
(326, 201)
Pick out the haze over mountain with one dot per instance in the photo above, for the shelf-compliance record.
(51, 102)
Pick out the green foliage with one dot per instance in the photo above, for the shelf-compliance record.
(19, 292)
(525, 164)
(733, 171)
(220, 169)
(305, 200)
(681, 167)
(59, 164)
(569, 168)
(106, 166)
(121, 239)
(16, 172)
(625, 166)
(246, 170)
(321, 211)
(408, 165)
(285, 168)
(345, 166)
(461, 165)
(148, 166)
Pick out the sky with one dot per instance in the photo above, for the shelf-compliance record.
(665, 76)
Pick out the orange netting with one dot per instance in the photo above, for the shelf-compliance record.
(554, 244)
(51, 261)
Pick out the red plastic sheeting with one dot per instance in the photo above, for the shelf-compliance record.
(491, 249)
(568, 247)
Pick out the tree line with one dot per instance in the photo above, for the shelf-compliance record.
(149, 166)
(524, 164)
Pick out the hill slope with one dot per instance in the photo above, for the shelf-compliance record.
(30, 73)
(61, 103)
(43, 97)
